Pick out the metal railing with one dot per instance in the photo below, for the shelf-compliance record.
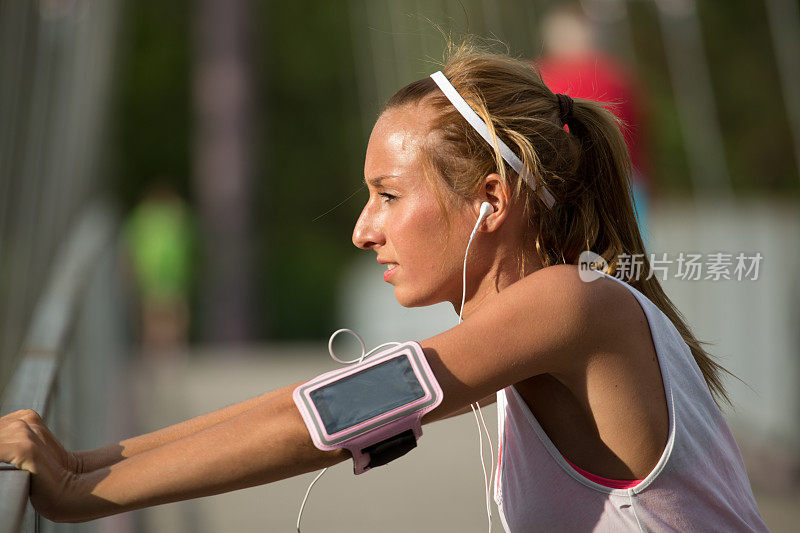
(36, 379)
(56, 66)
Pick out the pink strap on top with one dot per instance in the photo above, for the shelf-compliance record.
(606, 482)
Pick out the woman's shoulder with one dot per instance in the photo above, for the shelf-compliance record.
(592, 311)
(548, 322)
(565, 285)
(554, 310)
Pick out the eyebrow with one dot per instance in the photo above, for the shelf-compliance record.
(376, 181)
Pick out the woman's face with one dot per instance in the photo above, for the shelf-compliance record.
(402, 222)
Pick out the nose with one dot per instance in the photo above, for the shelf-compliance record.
(367, 232)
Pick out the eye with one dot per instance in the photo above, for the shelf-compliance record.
(388, 197)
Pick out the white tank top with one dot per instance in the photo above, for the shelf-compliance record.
(698, 484)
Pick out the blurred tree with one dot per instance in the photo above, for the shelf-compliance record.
(751, 108)
(153, 99)
(312, 148)
(746, 90)
(223, 166)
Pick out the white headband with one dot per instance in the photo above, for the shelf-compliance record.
(480, 126)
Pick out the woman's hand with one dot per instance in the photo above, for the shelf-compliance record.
(26, 443)
(68, 460)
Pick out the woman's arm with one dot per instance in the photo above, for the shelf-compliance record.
(266, 443)
(537, 325)
(85, 461)
(89, 460)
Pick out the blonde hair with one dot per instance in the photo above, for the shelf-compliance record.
(587, 169)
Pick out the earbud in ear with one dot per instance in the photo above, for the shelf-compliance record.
(486, 210)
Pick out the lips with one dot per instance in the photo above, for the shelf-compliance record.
(391, 269)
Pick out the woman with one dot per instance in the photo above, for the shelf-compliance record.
(606, 413)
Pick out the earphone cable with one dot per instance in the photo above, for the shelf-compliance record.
(364, 354)
(476, 408)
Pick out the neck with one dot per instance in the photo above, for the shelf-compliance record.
(502, 271)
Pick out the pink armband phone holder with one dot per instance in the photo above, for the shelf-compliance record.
(373, 408)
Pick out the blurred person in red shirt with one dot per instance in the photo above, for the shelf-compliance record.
(574, 65)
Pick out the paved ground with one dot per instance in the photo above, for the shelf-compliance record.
(440, 484)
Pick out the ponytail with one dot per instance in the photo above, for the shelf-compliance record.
(605, 163)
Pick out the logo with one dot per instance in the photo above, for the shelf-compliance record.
(590, 266)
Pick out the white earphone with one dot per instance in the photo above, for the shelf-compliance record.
(486, 210)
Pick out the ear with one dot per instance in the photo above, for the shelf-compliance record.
(497, 192)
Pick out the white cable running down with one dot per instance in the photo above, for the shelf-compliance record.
(476, 408)
(364, 355)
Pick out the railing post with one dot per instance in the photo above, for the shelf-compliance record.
(32, 383)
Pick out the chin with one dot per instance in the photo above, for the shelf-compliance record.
(410, 299)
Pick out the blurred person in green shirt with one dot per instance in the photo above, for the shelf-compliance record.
(159, 238)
